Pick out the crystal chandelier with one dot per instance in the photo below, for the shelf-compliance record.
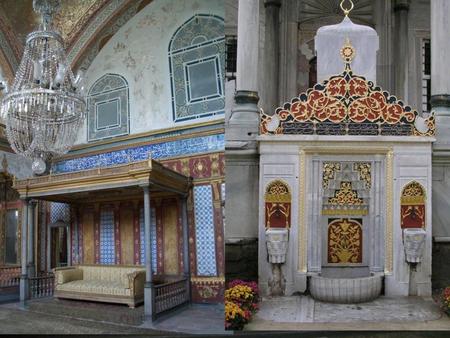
(45, 106)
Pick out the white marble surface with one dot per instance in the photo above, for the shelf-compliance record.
(280, 159)
(17, 165)
(247, 49)
(303, 309)
(329, 41)
(440, 47)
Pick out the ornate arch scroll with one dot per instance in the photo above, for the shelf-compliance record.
(277, 205)
(413, 206)
(347, 104)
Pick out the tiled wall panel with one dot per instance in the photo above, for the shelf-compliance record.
(107, 247)
(204, 231)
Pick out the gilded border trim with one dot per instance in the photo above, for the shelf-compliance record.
(302, 231)
(388, 251)
(84, 147)
(208, 280)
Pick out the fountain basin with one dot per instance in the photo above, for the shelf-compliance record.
(346, 290)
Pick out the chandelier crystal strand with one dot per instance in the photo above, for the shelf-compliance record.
(45, 107)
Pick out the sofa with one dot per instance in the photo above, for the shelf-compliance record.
(103, 283)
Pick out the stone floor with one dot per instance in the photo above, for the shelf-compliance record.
(15, 320)
(196, 319)
(53, 316)
(304, 313)
(9, 294)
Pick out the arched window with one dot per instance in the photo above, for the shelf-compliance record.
(108, 111)
(196, 61)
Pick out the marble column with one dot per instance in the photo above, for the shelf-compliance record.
(269, 97)
(383, 24)
(440, 71)
(245, 115)
(31, 238)
(148, 287)
(242, 129)
(288, 63)
(401, 53)
(24, 250)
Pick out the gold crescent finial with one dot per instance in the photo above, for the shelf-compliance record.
(347, 10)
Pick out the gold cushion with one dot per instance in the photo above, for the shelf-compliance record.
(108, 273)
(100, 287)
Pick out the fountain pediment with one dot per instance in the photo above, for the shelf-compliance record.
(346, 104)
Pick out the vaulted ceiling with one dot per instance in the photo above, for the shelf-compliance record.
(86, 26)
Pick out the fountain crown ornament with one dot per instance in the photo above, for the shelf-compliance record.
(329, 40)
(346, 10)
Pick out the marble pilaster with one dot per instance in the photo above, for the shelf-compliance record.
(440, 70)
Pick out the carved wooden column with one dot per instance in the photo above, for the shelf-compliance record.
(24, 274)
(186, 266)
(31, 238)
(148, 288)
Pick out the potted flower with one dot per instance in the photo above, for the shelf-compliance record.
(241, 302)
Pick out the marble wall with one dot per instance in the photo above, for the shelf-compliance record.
(16, 165)
(410, 160)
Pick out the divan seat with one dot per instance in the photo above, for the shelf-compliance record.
(106, 283)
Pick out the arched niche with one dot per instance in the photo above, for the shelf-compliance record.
(412, 202)
(277, 205)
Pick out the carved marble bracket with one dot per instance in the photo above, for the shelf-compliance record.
(414, 243)
(277, 243)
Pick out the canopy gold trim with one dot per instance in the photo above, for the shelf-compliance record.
(93, 184)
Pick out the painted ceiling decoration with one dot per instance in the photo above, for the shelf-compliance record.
(98, 33)
(319, 9)
(82, 23)
(347, 104)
